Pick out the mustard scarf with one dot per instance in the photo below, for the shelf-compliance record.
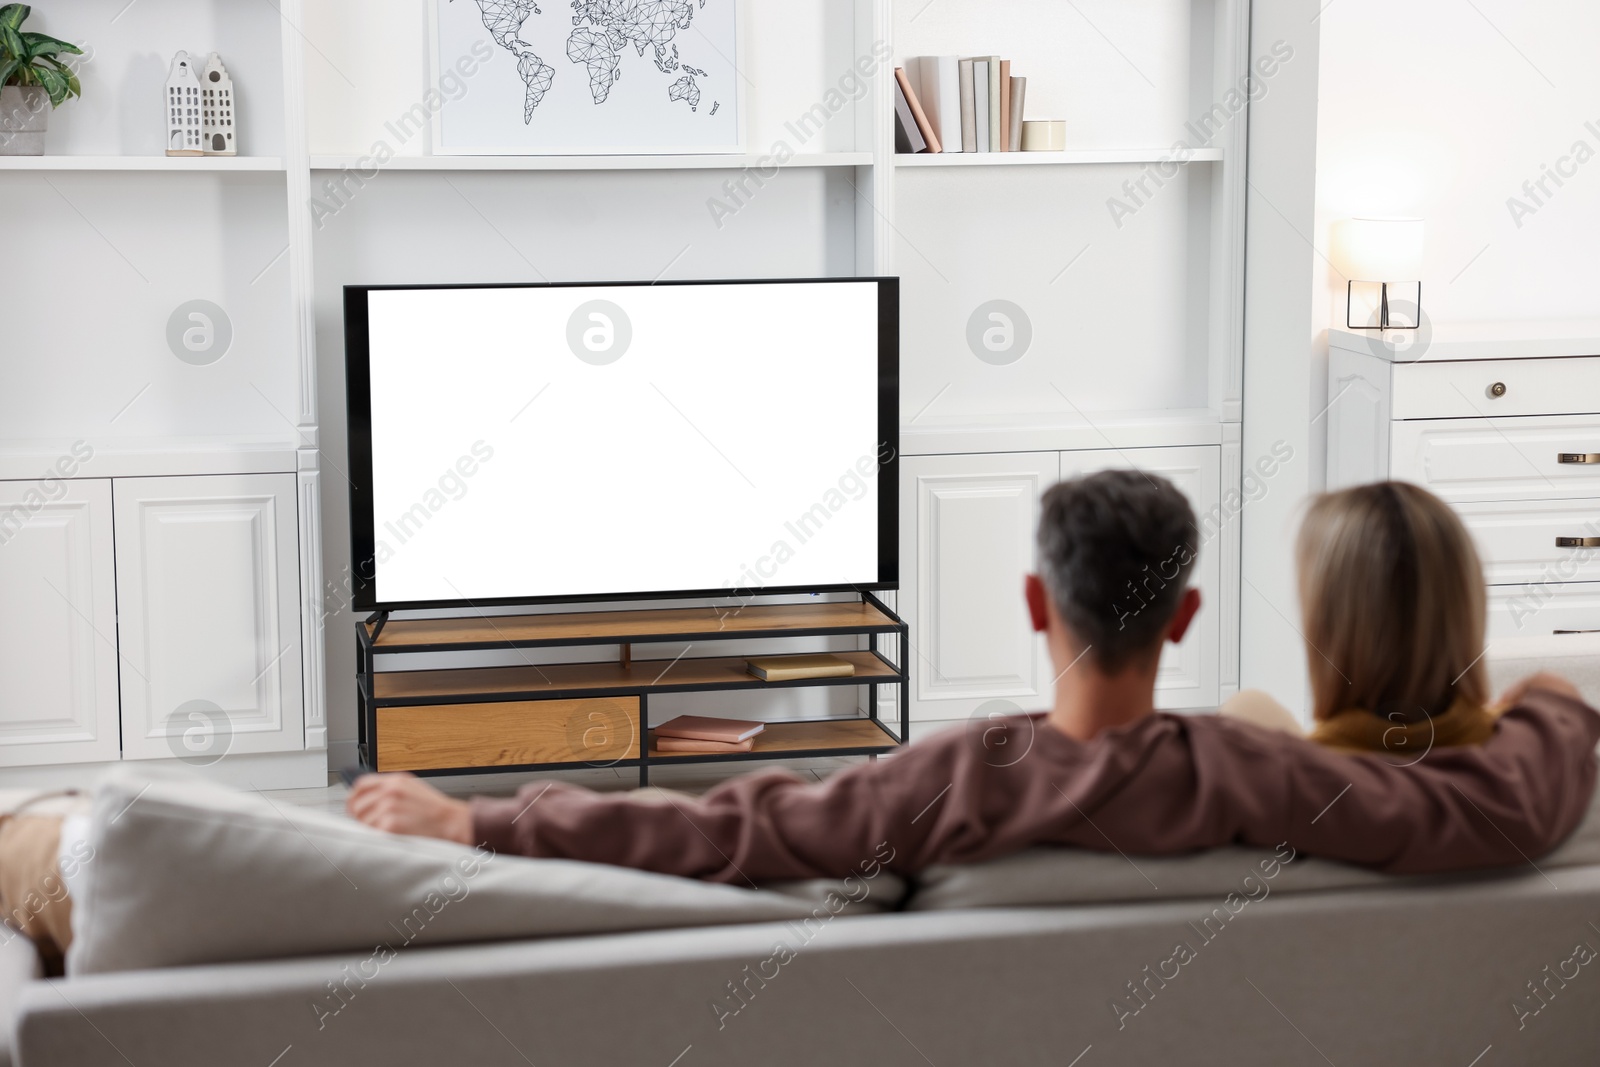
(1359, 730)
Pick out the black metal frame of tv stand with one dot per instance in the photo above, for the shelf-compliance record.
(369, 631)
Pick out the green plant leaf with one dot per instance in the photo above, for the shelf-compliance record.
(11, 41)
(42, 44)
(8, 67)
(13, 15)
(53, 83)
(74, 87)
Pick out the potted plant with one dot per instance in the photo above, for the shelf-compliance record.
(31, 72)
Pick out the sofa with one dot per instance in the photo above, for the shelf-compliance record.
(1317, 964)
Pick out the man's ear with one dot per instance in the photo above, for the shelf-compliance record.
(1038, 603)
(1184, 615)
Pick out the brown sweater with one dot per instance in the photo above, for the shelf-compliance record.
(1164, 784)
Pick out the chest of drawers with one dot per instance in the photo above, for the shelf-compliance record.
(1502, 421)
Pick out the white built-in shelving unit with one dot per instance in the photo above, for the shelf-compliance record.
(1136, 323)
(193, 506)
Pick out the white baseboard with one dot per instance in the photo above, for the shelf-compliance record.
(280, 770)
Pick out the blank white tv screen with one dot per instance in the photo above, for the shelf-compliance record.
(525, 443)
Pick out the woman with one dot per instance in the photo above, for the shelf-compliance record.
(1392, 605)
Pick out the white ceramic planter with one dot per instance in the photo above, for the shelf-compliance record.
(24, 115)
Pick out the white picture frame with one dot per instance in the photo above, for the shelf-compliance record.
(646, 110)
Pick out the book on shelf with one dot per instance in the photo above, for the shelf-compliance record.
(969, 117)
(1005, 105)
(1019, 92)
(937, 80)
(908, 92)
(708, 728)
(980, 102)
(702, 748)
(907, 136)
(993, 98)
(790, 668)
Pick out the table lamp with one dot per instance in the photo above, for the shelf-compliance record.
(1380, 251)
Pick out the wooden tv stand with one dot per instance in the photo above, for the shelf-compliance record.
(527, 717)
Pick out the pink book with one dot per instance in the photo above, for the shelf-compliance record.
(705, 728)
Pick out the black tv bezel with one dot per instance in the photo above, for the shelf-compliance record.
(358, 414)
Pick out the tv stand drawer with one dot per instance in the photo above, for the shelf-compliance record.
(513, 733)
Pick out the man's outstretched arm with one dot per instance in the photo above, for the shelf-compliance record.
(1163, 785)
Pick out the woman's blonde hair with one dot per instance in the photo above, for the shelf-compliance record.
(1392, 596)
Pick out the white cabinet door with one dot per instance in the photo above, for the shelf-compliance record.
(1189, 674)
(58, 623)
(208, 587)
(966, 536)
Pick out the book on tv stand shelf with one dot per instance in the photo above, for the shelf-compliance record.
(790, 668)
(707, 728)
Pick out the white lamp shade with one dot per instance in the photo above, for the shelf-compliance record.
(1378, 250)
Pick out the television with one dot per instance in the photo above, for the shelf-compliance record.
(540, 443)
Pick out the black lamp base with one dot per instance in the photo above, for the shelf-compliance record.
(1383, 309)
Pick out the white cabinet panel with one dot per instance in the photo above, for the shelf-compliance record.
(1189, 675)
(1500, 459)
(1494, 388)
(966, 530)
(208, 584)
(1557, 541)
(1358, 419)
(1542, 609)
(58, 623)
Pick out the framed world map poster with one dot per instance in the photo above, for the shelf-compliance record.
(581, 77)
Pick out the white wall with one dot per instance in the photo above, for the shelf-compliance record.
(1443, 114)
(1431, 108)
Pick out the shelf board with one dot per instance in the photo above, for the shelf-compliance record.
(817, 736)
(132, 457)
(1071, 156)
(1053, 431)
(127, 163)
(465, 685)
(639, 162)
(643, 625)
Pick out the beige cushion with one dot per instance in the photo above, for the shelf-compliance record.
(1075, 876)
(184, 872)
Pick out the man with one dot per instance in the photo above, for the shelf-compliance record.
(1101, 770)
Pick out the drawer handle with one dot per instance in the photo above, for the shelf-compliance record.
(1578, 457)
(1578, 542)
(1575, 631)
(1498, 389)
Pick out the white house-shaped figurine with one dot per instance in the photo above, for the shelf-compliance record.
(216, 98)
(183, 108)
